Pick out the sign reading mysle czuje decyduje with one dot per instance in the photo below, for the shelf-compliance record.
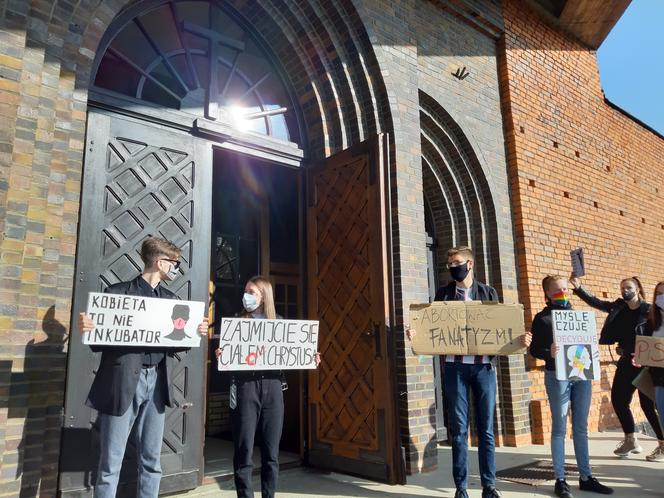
(122, 320)
(256, 344)
(575, 333)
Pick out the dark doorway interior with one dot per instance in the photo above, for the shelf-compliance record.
(256, 226)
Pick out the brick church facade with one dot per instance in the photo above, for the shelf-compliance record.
(483, 120)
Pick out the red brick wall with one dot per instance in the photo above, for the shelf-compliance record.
(582, 174)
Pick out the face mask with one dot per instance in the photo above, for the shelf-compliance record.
(659, 301)
(628, 295)
(560, 299)
(459, 273)
(249, 302)
(172, 273)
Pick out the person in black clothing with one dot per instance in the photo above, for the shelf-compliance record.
(574, 394)
(625, 314)
(133, 384)
(654, 327)
(257, 404)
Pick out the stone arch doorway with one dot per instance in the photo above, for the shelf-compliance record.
(460, 211)
(154, 130)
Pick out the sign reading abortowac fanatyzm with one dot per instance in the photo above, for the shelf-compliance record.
(467, 328)
(122, 320)
(256, 344)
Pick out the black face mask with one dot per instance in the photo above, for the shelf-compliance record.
(459, 273)
(628, 295)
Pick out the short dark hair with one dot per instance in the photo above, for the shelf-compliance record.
(154, 248)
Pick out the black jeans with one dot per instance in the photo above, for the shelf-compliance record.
(260, 407)
(622, 391)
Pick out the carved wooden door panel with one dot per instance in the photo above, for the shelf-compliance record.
(139, 179)
(351, 396)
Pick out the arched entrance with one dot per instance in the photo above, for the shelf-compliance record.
(194, 134)
(459, 211)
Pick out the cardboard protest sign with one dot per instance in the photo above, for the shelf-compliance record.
(467, 328)
(649, 351)
(256, 344)
(575, 332)
(578, 265)
(122, 320)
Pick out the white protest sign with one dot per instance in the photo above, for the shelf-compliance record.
(256, 344)
(575, 333)
(122, 320)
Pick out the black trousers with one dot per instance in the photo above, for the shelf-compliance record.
(622, 391)
(260, 409)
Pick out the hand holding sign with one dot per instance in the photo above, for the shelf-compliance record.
(85, 323)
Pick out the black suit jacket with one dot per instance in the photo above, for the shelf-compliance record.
(480, 291)
(115, 384)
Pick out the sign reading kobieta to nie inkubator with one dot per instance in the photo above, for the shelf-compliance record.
(467, 328)
(575, 333)
(257, 344)
(122, 320)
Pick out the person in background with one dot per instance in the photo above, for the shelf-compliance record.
(462, 374)
(257, 404)
(133, 385)
(625, 314)
(563, 394)
(654, 326)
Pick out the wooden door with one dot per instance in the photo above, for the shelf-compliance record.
(352, 415)
(139, 180)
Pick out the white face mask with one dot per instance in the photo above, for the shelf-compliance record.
(249, 302)
(659, 301)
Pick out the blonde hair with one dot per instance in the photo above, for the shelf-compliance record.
(265, 286)
(464, 251)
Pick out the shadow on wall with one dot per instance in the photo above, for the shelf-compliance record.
(430, 450)
(607, 416)
(35, 394)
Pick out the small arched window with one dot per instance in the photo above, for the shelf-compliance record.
(195, 57)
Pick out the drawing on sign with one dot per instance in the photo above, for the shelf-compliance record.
(257, 344)
(579, 361)
(180, 317)
(575, 333)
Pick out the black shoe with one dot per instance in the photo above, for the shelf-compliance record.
(592, 484)
(562, 489)
(460, 493)
(490, 492)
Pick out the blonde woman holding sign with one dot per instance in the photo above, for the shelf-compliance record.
(563, 394)
(257, 404)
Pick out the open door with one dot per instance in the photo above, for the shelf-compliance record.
(139, 179)
(352, 415)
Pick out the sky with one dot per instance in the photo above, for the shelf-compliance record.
(631, 62)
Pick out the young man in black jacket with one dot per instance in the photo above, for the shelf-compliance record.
(464, 373)
(133, 384)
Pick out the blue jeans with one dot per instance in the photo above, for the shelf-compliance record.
(563, 395)
(659, 400)
(458, 378)
(147, 413)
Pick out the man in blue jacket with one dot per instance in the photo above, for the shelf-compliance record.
(133, 385)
